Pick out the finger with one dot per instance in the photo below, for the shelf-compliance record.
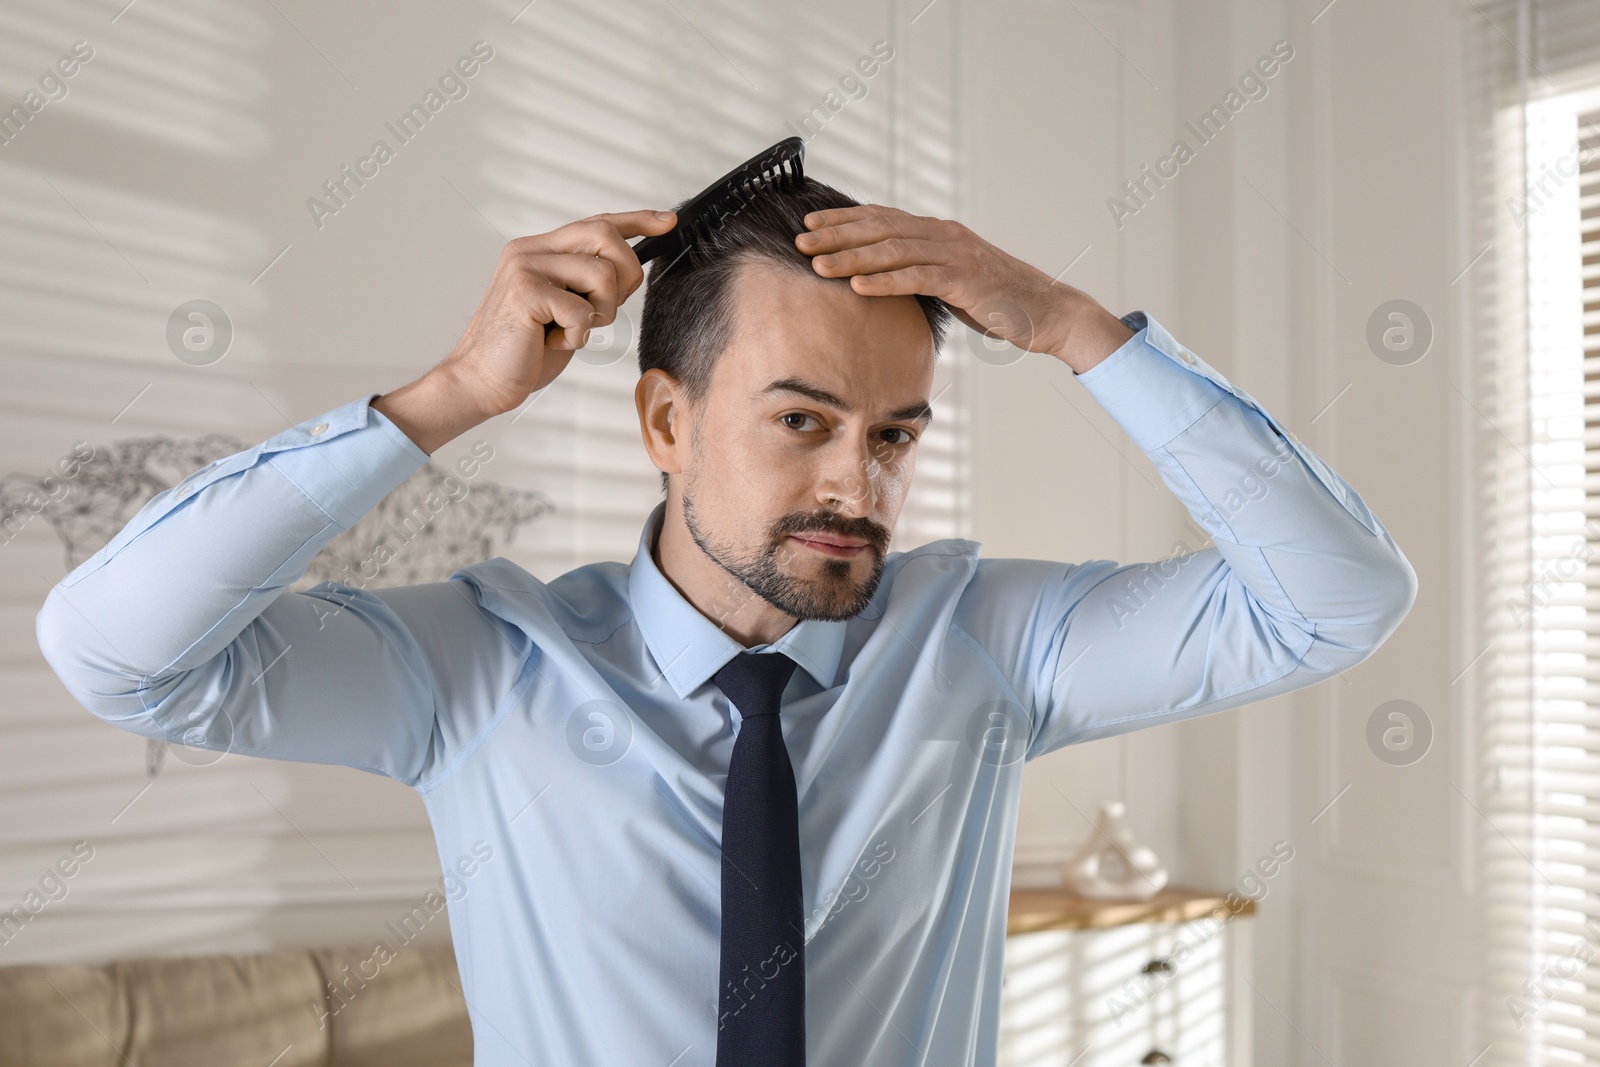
(605, 235)
(889, 255)
(588, 276)
(570, 312)
(642, 222)
(834, 215)
(575, 236)
(837, 233)
(926, 279)
(602, 236)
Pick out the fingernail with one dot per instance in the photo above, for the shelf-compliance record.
(807, 238)
(828, 261)
(664, 214)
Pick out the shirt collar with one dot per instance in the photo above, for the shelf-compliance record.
(689, 648)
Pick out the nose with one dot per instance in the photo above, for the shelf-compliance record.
(848, 484)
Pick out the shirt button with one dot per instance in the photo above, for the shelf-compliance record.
(1188, 356)
(319, 429)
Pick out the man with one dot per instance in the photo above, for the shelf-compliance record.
(752, 798)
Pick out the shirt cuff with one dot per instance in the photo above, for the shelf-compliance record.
(361, 457)
(1153, 386)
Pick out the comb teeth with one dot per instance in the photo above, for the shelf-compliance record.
(779, 167)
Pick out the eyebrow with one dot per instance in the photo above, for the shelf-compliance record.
(920, 411)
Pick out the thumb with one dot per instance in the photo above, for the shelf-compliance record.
(635, 223)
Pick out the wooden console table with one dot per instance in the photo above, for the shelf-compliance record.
(1118, 983)
(1057, 909)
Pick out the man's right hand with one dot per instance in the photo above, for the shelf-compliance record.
(574, 277)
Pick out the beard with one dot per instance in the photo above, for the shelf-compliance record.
(832, 596)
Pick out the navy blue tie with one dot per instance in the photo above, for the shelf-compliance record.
(761, 1017)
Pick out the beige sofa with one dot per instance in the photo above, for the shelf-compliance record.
(317, 1008)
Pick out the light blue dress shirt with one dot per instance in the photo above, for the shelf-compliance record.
(569, 731)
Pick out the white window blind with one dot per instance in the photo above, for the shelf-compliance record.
(1533, 311)
(1561, 1006)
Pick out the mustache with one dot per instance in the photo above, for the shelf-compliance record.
(874, 533)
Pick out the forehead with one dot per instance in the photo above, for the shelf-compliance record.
(820, 329)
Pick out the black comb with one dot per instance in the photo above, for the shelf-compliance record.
(782, 167)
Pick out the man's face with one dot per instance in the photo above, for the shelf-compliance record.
(803, 447)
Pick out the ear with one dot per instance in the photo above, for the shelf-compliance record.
(658, 397)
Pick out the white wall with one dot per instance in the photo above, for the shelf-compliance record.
(1051, 118)
(1387, 949)
(1335, 192)
(1210, 796)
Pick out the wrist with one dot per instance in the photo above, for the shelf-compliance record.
(1092, 334)
(435, 409)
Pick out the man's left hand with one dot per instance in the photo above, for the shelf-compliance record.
(888, 252)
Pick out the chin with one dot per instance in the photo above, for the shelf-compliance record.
(834, 591)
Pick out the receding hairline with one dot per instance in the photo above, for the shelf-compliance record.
(757, 257)
(918, 411)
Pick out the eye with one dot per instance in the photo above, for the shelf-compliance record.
(906, 436)
(795, 415)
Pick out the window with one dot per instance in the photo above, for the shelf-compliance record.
(1562, 602)
(1533, 311)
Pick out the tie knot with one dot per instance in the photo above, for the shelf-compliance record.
(754, 681)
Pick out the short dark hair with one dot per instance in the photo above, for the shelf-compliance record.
(689, 306)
